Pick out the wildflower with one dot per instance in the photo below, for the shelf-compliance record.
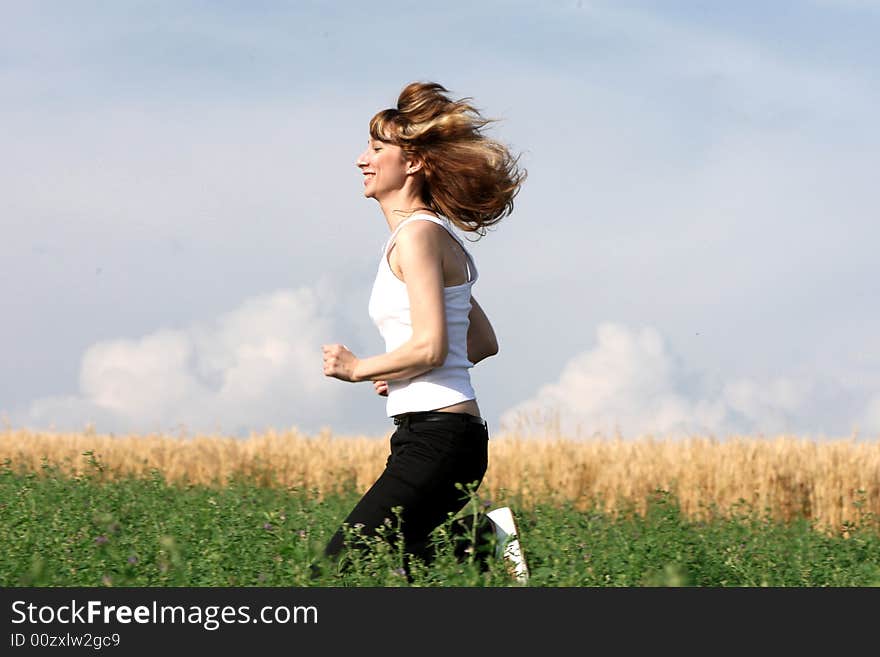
(399, 571)
(302, 533)
(100, 540)
(132, 560)
(268, 526)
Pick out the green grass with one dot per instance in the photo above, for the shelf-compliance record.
(58, 531)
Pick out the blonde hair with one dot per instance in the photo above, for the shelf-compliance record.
(468, 177)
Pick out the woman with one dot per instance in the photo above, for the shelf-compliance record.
(429, 166)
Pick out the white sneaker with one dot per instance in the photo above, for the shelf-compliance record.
(508, 545)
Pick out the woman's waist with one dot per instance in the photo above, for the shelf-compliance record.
(469, 416)
(426, 393)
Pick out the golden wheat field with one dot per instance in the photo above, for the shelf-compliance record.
(786, 475)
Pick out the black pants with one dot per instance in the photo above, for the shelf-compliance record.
(427, 460)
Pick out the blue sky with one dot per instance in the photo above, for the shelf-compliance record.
(694, 250)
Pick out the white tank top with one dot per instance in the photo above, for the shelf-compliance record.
(389, 309)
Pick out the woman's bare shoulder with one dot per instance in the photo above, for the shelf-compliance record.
(420, 232)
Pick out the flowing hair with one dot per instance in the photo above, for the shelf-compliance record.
(468, 177)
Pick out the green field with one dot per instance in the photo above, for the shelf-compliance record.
(58, 531)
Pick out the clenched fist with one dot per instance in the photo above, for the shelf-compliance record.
(339, 362)
(381, 387)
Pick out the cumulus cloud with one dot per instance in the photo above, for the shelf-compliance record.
(258, 365)
(871, 417)
(630, 384)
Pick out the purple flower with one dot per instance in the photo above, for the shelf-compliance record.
(399, 571)
(100, 540)
(302, 533)
(268, 526)
(132, 560)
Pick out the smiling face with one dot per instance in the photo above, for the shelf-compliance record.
(385, 168)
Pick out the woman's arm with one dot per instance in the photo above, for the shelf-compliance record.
(419, 257)
(481, 340)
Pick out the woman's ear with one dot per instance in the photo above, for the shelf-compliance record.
(412, 166)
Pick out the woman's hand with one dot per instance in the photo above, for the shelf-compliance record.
(381, 387)
(339, 362)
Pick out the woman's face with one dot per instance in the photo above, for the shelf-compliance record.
(384, 167)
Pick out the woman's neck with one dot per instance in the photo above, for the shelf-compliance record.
(400, 206)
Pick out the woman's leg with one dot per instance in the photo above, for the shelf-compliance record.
(427, 460)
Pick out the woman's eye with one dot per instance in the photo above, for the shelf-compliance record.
(377, 149)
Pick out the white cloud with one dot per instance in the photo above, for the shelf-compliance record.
(631, 385)
(871, 418)
(697, 150)
(258, 365)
